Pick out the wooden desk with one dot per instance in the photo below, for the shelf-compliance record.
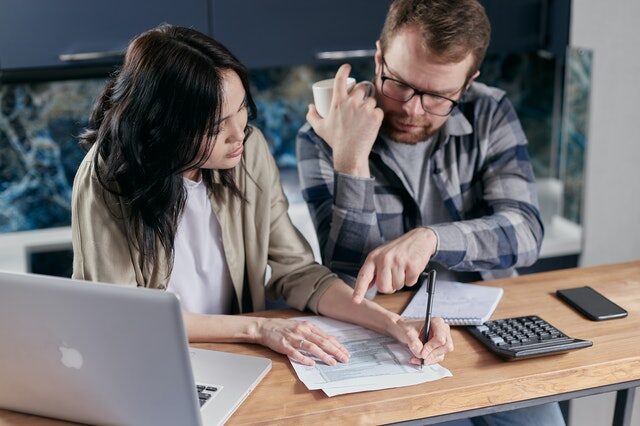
(481, 382)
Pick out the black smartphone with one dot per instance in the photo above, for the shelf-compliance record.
(591, 304)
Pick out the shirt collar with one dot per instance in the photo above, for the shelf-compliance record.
(457, 124)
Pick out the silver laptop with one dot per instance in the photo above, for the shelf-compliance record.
(106, 354)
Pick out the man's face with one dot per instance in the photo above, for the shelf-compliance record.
(408, 61)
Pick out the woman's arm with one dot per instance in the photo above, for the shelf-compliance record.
(285, 336)
(337, 302)
(292, 337)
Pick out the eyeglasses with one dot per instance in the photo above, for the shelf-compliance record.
(432, 103)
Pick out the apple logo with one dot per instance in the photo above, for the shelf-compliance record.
(71, 358)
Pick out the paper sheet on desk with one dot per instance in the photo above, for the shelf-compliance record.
(377, 362)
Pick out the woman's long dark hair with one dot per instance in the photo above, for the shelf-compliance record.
(158, 117)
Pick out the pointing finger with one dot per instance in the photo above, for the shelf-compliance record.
(364, 280)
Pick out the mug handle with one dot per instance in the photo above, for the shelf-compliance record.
(371, 88)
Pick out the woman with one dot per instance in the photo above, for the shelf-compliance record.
(178, 193)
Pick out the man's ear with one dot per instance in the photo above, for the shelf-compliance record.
(378, 58)
(472, 79)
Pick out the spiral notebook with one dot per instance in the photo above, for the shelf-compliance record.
(457, 303)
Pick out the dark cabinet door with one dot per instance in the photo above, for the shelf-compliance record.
(266, 33)
(528, 25)
(54, 33)
(49, 33)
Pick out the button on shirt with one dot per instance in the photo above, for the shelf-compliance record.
(200, 275)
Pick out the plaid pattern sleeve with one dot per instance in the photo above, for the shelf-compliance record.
(342, 207)
(482, 171)
(509, 232)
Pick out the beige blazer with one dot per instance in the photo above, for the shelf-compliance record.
(254, 234)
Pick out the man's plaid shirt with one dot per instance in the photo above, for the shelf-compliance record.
(482, 170)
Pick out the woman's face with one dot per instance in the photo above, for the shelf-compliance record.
(228, 143)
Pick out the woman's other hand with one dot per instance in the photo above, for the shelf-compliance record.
(300, 340)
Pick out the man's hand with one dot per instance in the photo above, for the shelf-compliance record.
(397, 263)
(351, 127)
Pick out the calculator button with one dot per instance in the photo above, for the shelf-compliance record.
(497, 339)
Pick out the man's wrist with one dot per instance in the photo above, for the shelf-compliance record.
(359, 168)
(430, 240)
(434, 241)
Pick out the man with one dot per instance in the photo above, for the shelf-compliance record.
(433, 169)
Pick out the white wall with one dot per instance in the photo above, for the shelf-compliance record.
(612, 199)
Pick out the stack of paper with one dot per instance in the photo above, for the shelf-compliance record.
(456, 303)
(377, 362)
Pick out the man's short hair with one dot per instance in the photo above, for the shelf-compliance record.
(451, 28)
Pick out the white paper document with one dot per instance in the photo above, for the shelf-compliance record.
(377, 362)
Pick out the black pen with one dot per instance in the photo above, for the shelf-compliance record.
(431, 289)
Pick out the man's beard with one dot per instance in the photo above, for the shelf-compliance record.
(426, 130)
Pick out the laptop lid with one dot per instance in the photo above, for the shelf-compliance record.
(98, 353)
(228, 378)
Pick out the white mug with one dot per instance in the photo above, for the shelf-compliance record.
(323, 92)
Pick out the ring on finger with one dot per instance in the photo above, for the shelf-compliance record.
(301, 344)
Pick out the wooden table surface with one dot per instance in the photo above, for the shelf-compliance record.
(480, 379)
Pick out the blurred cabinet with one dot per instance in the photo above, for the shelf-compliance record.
(284, 32)
(64, 34)
(529, 25)
(54, 33)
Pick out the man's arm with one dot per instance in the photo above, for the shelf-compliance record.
(510, 235)
(333, 164)
(341, 206)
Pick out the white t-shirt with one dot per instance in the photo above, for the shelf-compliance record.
(200, 275)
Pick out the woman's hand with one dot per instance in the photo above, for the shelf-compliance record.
(294, 338)
(439, 344)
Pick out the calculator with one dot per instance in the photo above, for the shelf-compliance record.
(524, 337)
